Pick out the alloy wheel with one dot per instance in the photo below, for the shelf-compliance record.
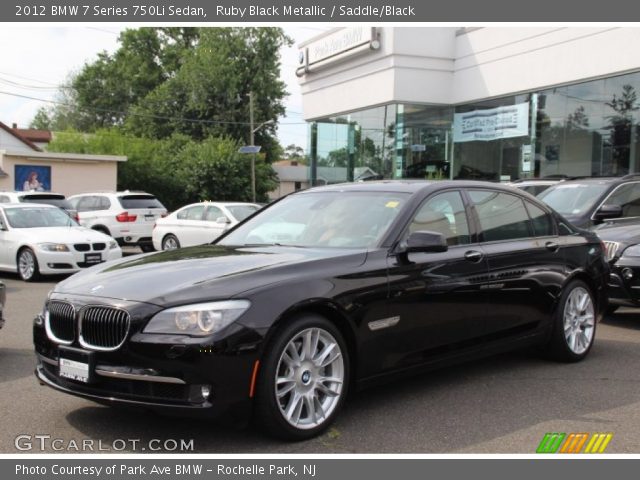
(579, 320)
(27, 264)
(309, 378)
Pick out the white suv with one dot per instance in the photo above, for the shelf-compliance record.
(32, 196)
(127, 216)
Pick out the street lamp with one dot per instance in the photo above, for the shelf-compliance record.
(252, 148)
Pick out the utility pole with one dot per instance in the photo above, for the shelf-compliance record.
(253, 156)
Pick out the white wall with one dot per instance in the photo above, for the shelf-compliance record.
(412, 65)
(498, 61)
(435, 65)
(9, 142)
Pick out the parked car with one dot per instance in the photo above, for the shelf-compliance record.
(590, 201)
(42, 240)
(126, 216)
(3, 300)
(384, 279)
(535, 186)
(622, 244)
(199, 223)
(48, 198)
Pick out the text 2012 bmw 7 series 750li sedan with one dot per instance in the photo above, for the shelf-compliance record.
(326, 290)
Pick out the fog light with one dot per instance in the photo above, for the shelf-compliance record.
(205, 391)
(627, 273)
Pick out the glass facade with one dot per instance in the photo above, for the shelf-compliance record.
(585, 129)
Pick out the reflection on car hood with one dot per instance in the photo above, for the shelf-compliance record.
(202, 273)
(628, 234)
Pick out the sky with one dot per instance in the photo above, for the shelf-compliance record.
(34, 60)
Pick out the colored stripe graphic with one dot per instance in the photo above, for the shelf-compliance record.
(598, 443)
(574, 443)
(550, 442)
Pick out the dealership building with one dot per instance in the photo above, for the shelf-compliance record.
(493, 103)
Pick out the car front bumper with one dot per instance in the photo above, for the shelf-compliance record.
(51, 263)
(624, 284)
(164, 373)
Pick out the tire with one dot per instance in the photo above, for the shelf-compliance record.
(574, 326)
(292, 402)
(170, 242)
(146, 248)
(28, 265)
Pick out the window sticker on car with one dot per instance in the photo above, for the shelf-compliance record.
(392, 204)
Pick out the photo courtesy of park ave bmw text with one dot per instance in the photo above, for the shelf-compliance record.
(319, 239)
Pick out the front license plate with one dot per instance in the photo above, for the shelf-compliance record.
(92, 258)
(73, 370)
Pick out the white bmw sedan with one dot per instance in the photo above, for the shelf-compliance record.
(43, 240)
(199, 223)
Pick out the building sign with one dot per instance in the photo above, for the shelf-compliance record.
(337, 43)
(492, 124)
(32, 177)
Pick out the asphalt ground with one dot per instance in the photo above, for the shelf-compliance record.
(503, 404)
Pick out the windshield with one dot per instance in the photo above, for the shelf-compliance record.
(240, 212)
(34, 217)
(573, 198)
(322, 219)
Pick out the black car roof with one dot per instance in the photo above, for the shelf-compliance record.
(406, 186)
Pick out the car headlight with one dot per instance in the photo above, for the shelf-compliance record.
(113, 245)
(632, 251)
(54, 247)
(198, 319)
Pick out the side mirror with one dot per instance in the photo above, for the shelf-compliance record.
(426, 241)
(223, 220)
(422, 241)
(606, 212)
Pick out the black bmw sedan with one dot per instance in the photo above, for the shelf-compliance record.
(326, 290)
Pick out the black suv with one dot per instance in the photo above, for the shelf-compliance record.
(590, 201)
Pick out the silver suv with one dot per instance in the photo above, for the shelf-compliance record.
(127, 216)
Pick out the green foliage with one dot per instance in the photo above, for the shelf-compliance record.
(177, 169)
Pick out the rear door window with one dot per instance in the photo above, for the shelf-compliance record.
(540, 220)
(502, 216)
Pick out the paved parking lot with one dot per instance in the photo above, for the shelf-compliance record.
(500, 405)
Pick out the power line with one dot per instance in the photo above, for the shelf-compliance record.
(141, 115)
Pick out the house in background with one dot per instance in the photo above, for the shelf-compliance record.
(25, 165)
(39, 138)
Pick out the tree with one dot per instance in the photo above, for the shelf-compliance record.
(295, 153)
(209, 95)
(620, 127)
(42, 120)
(177, 169)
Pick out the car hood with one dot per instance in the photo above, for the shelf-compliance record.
(628, 234)
(204, 273)
(66, 235)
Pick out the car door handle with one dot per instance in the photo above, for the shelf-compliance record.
(473, 256)
(552, 246)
